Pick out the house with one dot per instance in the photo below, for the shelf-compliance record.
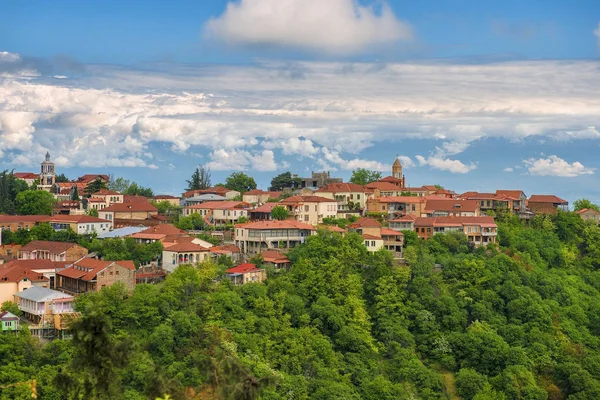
(445, 193)
(405, 223)
(276, 259)
(392, 240)
(53, 251)
(47, 309)
(310, 209)
(68, 207)
(217, 190)
(219, 212)
(104, 198)
(547, 204)
(442, 207)
(430, 189)
(9, 322)
(257, 196)
(519, 199)
(376, 237)
(91, 275)
(185, 251)
(66, 190)
(132, 210)
(172, 200)
(396, 206)
(28, 177)
(122, 232)
(201, 198)
(381, 189)
(349, 196)
(89, 178)
(81, 224)
(479, 230)
(588, 214)
(255, 237)
(510, 200)
(14, 223)
(262, 213)
(246, 273)
(415, 191)
(229, 250)
(18, 275)
(372, 243)
(156, 233)
(317, 180)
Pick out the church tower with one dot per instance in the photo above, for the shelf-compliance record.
(397, 173)
(47, 175)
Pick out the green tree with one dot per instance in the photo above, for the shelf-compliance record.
(43, 231)
(35, 202)
(119, 184)
(10, 187)
(136, 190)
(75, 195)
(94, 187)
(92, 212)
(200, 179)
(283, 181)
(585, 203)
(11, 307)
(240, 182)
(363, 176)
(280, 213)
(62, 178)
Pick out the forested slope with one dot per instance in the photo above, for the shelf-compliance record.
(516, 321)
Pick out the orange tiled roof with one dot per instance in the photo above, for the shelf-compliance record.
(455, 221)
(107, 192)
(306, 199)
(26, 175)
(11, 219)
(17, 270)
(390, 232)
(400, 199)
(265, 208)
(383, 186)
(274, 256)
(448, 205)
(219, 205)
(135, 206)
(371, 237)
(546, 198)
(242, 269)
(54, 247)
(88, 268)
(186, 246)
(276, 225)
(342, 187)
(79, 219)
(510, 193)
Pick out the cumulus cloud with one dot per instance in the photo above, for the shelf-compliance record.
(332, 160)
(439, 158)
(556, 166)
(332, 26)
(241, 160)
(508, 169)
(293, 146)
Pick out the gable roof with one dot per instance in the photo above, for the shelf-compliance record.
(448, 205)
(371, 237)
(17, 270)
(399, 199)
(87, 268)
(186, 246)
(44, 245)
(546, 198)
(134, 206)
(306, 199)
(8, 316)
(391, 179)
(390, 232)
(339, 187)
(107, 192)
(26, 175)
(484, 221)
(162, 229)
(510, 193)
(39, 294)
(383, 186)
(274, 257)
(87, 178)
(243, 268)
(265, 208)
(276, 225)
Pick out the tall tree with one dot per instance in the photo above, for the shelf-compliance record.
(10, 187)
(240, 182)
(284, 180)
(35, 202)
(119, 184)
(279, 213)
(363, 176)
(75, 195)
(585, 203)
(136, 190)
(62, 178)
(200, 179)
(95, 186)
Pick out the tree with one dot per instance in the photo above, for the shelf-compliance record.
(92, 212)
(363, 176)
(11, 307)
(136, 190)
(43, 231)
(200, 179)
(95, 186)
(585, 203)
(284, 180)
(118, 185)
(75, 195)
(280, 213)
(240, 182)
(35, 202)
(10, 187)
(62, 178)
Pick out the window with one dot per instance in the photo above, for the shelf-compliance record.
(372, 243)
(358, 197)
(116, 272)
(414, 207)
(306, 218)
(316, 207)
(306, 208)
(383, 208)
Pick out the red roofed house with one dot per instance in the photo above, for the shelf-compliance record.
(28, 177)
(219, 212)
(255, 237)
(91, 275)
(184, 251)
(53, 251)
(68, 207)
(156, 233)
(587, 214)
(396, 206)
(14, 223)
(479, 230)
(218, 190)
(310, 209)
(442, 207)
(262, 213)
(136, 210)
(547, 204)
(81, 224)
(18, 275)
(89, 178)
(405, 223)
(376, 237)
(103, 199)
(381, 189)
(277, 259)
(246, 273)
(259, 196)
(349, 196)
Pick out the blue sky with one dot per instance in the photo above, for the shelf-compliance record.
(473, 95)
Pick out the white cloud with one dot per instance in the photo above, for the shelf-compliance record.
(597, 34)
(293, 146)
(6, 57)
(241, 160)
(508, 169)
(331, 160)
(555, 166)
(331, 26)
(439, 158)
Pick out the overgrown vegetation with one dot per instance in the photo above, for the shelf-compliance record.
(520, 320)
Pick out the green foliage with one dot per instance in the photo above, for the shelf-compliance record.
(209, 238)
(200, 179)
(62, 178)
(240, 182)
(10, 187)
(585, 203)
(11, 307)
(94, 187)
(192, 222)
(35, 202)
(92, 212)
(75, 195)
(283, 181)
(136, 190)
(280, 213)
(363, 176)
(114, 249)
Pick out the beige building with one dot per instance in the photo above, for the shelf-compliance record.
(444, 207)
(219, 212)
(174, 201)
(81, 224)
(254, 237)
(310, 209)
(14, 223)
(91, 275)
(396, 206)
(587, 214)
(246, 273)
(183, 252)
(349, 196)
(18, 275)
(137, 210)
(53, 251)
(479, 230)
(258, 196)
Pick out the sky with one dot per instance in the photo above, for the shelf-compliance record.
(468, 94)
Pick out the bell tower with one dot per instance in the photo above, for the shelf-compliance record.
(47, 174)
(397, 173)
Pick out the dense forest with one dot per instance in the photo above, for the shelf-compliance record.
(520, 320)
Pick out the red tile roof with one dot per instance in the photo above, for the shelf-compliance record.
(186, 246)
(449, 205)
(484, 221)
(54, 247)
(17, 270)
(135, 206)
(11, 219)
(391, 179)
(227, 248)
(243, 269)
(79, 219)
(265, 208)
(220, 205)
(163, 229)
(365, 222)
(107, 192)
(400, 199)
(510, 193)
(546, 198)
(371, 237)
(95, 200)
(26, 175)
(88, 268)
(276, 225)
(274, 256)
(383, 186)
(87, 178)
(306, 199)
(338, 187)
(390, 232)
